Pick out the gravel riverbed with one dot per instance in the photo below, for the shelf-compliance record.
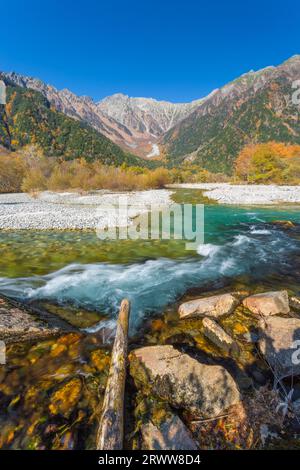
(63, 211)
(226, 193)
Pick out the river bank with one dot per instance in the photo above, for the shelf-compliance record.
(226, 193)
(200, 376)
(74, 211)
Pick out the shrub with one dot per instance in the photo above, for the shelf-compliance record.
(31, 171)
(11, 173)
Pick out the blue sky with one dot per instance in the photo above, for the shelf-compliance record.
(173, 50)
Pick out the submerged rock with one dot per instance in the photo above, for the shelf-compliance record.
(284, 223)
(64, 400)
(268, 303)
(100, 359)
(219, 337)
(214, 306)
(172, 434)
(182, 381)
(279, 342)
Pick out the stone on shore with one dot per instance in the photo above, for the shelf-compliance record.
(278, 344)
(268, 303)
(18, 325)
(226, 193)
(215, 306)
(295, 303)
(172, 434)
(219, 337)
(182, 381)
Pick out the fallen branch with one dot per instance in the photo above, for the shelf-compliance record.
(207, 420)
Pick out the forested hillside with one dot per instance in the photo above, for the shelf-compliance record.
(28, 118)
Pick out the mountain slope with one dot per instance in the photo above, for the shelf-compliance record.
(29, 118)
(256, 107)
(146, 118)
(133, 123)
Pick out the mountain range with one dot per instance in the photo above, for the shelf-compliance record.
(29, 118)
(132, 123)
(256, 107)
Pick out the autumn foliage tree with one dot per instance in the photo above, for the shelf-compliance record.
(29, 170)
(270, 162)
(11, 173)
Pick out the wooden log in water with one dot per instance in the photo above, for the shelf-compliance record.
(111, 426)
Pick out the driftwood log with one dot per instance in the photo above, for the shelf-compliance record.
(111, 426)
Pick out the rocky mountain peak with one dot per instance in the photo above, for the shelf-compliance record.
(142, 125)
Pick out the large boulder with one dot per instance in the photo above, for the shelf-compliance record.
(268, 303)
(171, 434)
(214, 306)
(219, 337)
(278, 343)
(182, 381)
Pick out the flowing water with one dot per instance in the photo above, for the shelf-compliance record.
(77, 274)
(80, 270)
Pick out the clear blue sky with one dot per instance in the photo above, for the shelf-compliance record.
(174, 50)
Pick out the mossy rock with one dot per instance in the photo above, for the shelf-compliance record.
(101, 360)
(64, 399)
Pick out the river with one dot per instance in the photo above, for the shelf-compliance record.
(51, 391)
(78, 269)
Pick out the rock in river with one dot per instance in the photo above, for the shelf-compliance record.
(63, 400)
(16, 324)
(182, 381)
(171, 434)
(214, 306)
(279, 342)
(219, 337)
(268, 303)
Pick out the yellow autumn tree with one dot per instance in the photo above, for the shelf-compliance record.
(270, 162)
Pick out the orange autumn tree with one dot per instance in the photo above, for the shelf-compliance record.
(270, 162)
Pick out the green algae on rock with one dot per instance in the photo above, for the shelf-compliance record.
(54, 398)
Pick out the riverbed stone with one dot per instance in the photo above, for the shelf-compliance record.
(16, 324)
(64, 400)
(214, 306)
(182, 381)
(219, 337)
(171, 434)
(278, 343)
(268, 303)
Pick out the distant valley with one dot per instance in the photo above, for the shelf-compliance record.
(135, 124)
